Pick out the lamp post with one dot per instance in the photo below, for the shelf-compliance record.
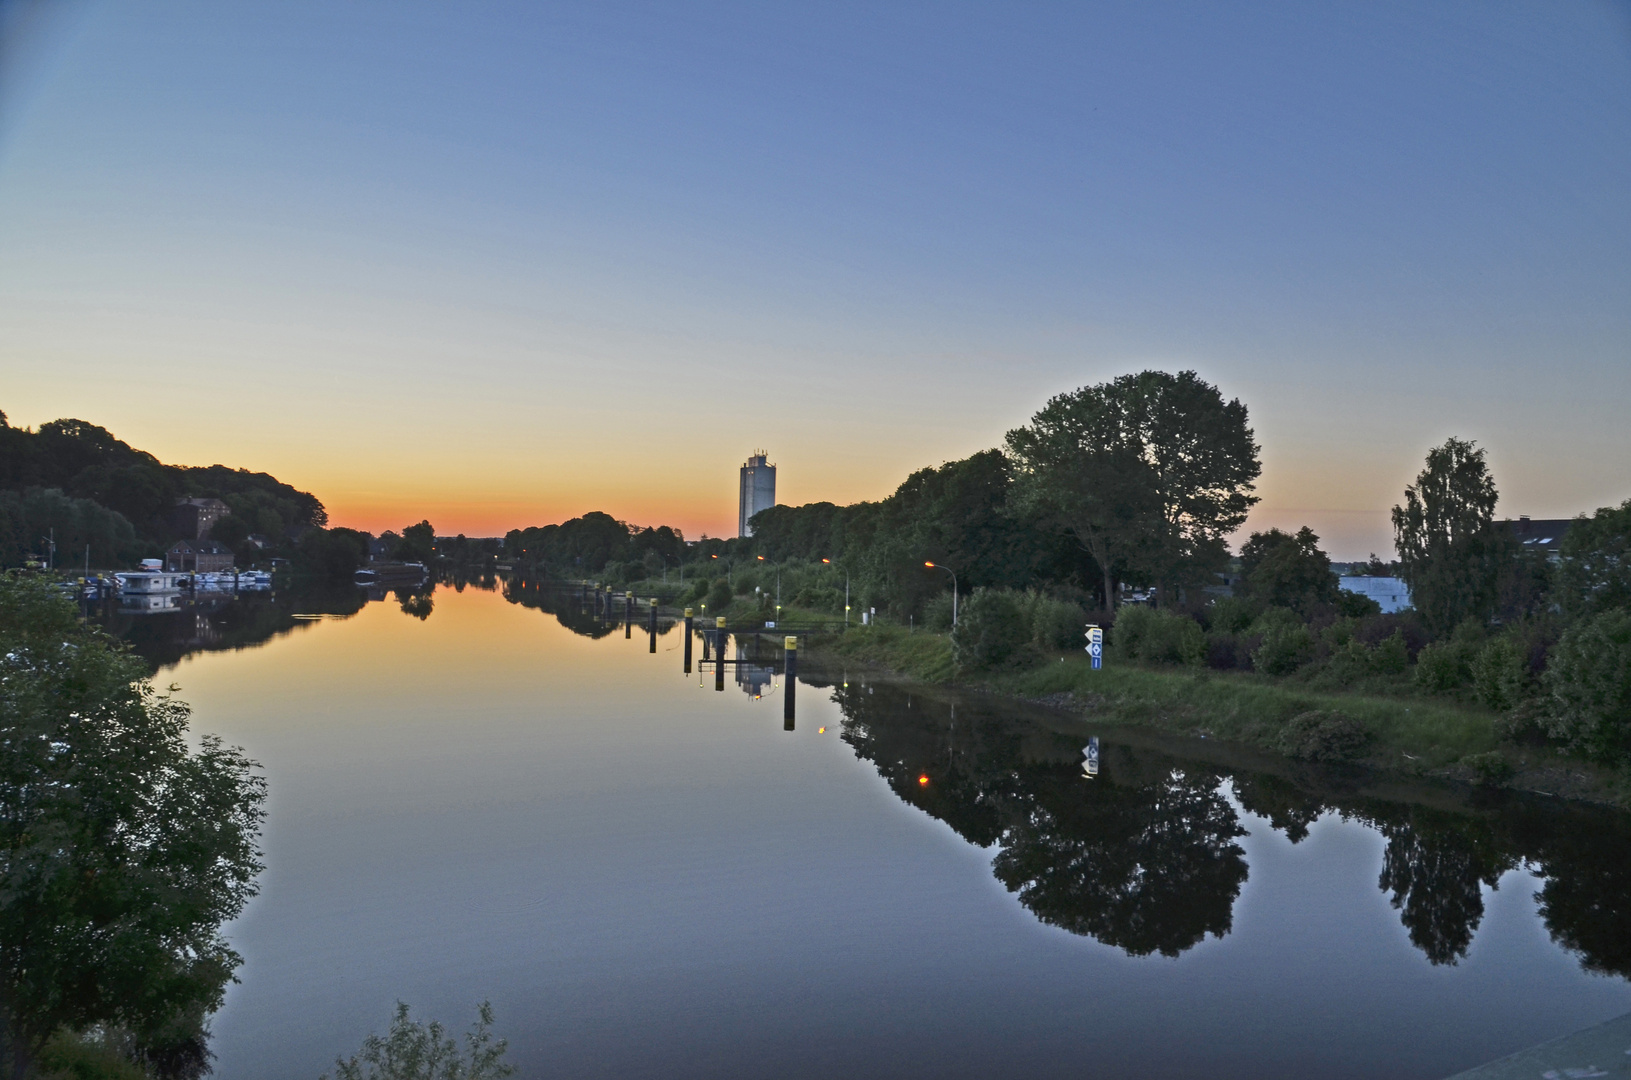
(953, 573)
(846, 592)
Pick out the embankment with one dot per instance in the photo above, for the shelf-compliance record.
(1412, 735)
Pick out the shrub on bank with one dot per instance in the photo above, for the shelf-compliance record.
(1285, 644)
(1231, 614)
(1055, 624)
(937, 613)
(822, 598)
(720, 595)
(1158, 637)
(1392, 656)
(1588, 681)
(1500, 674)
(991, 629)
(1353, 660)
(1321, 735)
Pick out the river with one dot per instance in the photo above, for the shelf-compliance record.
(497, 796)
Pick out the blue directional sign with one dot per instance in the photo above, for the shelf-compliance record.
(1095, 645)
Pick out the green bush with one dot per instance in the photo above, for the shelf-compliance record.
(937, 613)
(1489, 769)
(1391, 656)
(1324, 736)
(1056, 624)
(1500, 674)
(990, 630)
(1231, 614)
(1158, 637)
(1286, 643)
(1588, 680)
(720, 595)
(1445, 667)
(1338, 634)
(819, 598)
(1442, 668)
(1351, 661)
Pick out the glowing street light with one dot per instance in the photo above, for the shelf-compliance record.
(953, 573)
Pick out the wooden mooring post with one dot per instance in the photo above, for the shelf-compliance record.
(790, 651)
(688, 633)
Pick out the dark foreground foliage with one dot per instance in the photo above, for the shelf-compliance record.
(124, 851)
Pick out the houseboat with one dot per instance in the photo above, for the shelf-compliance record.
(150, 582)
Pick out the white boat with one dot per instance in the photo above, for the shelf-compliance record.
(150, 582)
(256, 580)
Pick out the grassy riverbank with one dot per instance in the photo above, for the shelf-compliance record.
(1409, 734)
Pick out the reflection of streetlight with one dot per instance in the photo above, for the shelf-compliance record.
(953, 573)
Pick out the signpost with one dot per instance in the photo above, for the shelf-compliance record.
(1090, 755)
(1095, 645)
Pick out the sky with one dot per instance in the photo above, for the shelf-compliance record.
(502, 264)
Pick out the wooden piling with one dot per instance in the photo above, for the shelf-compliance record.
(688, 633)
(790, 651)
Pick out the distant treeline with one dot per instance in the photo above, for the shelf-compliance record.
(1136, 481)
(591, 543)
(78, 481)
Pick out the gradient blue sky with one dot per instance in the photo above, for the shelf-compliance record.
(501, 264)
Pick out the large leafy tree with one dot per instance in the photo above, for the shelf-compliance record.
(1595, 572)
(1288, 570)
(418, 543)
(1150, 472)
(1450, 552)
(122, 851)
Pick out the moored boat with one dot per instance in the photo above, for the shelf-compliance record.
(392, 574)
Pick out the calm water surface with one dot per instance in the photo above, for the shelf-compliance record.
(649, 878)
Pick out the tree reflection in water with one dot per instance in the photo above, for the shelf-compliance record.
(1151, 867)
(1144, 857)
(571, 608)
(1436, 868)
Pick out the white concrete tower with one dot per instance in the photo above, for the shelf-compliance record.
(758, 491)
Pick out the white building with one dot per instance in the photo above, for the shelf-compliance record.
(1390, 592)
(758, 491)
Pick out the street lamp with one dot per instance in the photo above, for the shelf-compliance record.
(953, 573)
